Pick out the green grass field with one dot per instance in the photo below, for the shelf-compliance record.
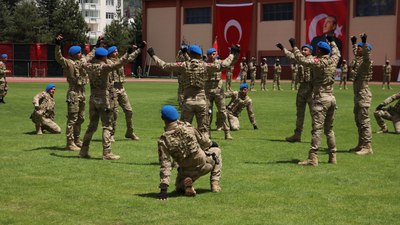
(41, 183)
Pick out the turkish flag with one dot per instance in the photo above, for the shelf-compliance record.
(320, 14)
(233, 26)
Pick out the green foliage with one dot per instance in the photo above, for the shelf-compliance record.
(47, 9)
(117, 34)
(41, 183)
(6, 22)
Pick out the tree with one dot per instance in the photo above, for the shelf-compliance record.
(27, 23)
(6, 22)
(10, 4)
(117, 34)
(69, 22)
(47, 9)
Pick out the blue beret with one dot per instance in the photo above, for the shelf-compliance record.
(4, 56)
(324, 46)
(242, 86)
(307, 46)
(74, 50)
(194, 49)
(49, 87)
(101, 52)
(362, 44)
(111, 49)
(210, 51)
(168, 112)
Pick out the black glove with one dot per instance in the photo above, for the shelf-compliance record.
(142, 44)
(214, 144)
(58, 40)
(163, 194)
(151, 51)
(235, 49)
(292, 42)
(364, 38)
(130, 50)
(379, 107)
(280, 46)
(353, 40)
(329, 38)
(255, 127)
(184, 48)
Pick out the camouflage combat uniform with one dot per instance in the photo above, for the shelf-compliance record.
(194, 74)
(253, 73)
(101, 104)
(304, 95)
(121, 98)
(362, 98)
(191, 150)
(43, 114)
(77, 78)
(229, 74)
(238, 102)
(277, 76)
(264, 74)
(387, 72)
(323, 101)
(215, 93)
(390, 113)
(243, 71)
(295, 69)
(3, 81)
(181, 57)
(343, 77)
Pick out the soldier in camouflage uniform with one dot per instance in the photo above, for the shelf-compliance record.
(323, 102)
(387, 72)
(253, 73)
(77, 78)
(121, 97)
(295, 69)
(195, 153)
(43, 114)
(239, 101)
(244, 68)
(304, 93)
(362, 94)
(215, 93)
(343, 77)
(264, 74)
(277, 75)
(194, 74)
(229, 74)
(182, 56)
(390, 113)
(3, 75)
(102, 101)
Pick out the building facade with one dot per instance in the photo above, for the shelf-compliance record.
(194, 20)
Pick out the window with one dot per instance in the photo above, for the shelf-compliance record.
(109, 15)
(90, 13)
(375, 7)
(197, 15)
(110, 2)
(280, 11)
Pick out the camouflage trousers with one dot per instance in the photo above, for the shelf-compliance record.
(233, 121)
(388, 114)
(362, 102)
(3, 89)
(197, 171)
(343, 79)
(263, 81)
(277, 82)
(323, 115)
(252, 80)
(45, 122)
(243, 77)
(76, 115)
(121, 99)
(98, 109)
(386, 79)
(196, 105)
(228, 81)
(294, 82)
(303, 98)
(217, 95)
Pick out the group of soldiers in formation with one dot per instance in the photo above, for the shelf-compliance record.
(200, 85)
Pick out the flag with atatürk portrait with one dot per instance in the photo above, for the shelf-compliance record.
(233, 26)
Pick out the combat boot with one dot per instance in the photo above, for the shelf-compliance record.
(108, 155)
(189, 190)
(356, 149)
(72, 146)
(332, 158)
(84, 153)
(39, 130)
(78, 142)
(296, 137)
(365, 150)
(132, 136)
(382, 130)
(311, 161)
(215, 186)
(228, 135)
(112, 139)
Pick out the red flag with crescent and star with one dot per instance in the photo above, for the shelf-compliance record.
(317, 24)
(233, 26)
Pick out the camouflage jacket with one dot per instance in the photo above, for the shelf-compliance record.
(244, 67)
(264, 69)
(184, 144)
(344, 69)
(387, 70)
(277, 69)
(396, 107)
(238, 102)
(3, 70)
(252, 68)
(118, 75)
(362, 67)
(44, 104)
(304, 73)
